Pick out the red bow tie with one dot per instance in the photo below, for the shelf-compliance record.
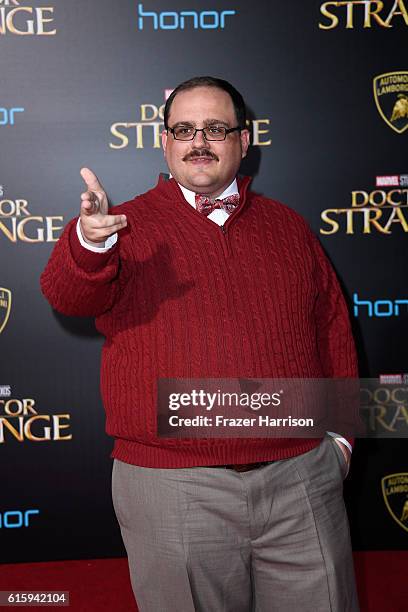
(206, 205)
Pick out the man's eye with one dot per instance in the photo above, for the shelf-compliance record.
(184, 130)
(215, 129)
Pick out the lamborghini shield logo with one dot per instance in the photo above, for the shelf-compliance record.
(5, 307)
(395, 493)
(391, 98)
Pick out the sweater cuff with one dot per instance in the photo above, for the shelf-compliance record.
(85, 258)
(104, 246)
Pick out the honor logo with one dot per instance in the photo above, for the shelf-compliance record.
(171, 20)
(15, 519)
(379, 308)
(7, 115)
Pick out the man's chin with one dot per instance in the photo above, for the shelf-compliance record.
(200, 180)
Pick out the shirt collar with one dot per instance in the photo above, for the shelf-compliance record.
(190, 195)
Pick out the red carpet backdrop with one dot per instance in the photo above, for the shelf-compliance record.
(84, 84)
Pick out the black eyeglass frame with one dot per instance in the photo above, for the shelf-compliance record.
(208, 127)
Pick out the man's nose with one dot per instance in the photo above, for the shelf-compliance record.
(199, 139)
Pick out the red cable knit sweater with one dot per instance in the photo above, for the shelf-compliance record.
(178, 296)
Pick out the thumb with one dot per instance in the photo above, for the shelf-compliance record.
(91, 180)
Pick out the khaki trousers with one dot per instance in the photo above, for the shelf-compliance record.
(274, 539)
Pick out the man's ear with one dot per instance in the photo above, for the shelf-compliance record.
(164, 137)
(244, 135)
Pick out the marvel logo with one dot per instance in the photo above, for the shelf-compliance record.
(387, 181)
(390, 379)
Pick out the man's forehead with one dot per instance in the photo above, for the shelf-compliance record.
(199, 100)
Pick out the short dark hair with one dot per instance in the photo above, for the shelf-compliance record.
(209, 81)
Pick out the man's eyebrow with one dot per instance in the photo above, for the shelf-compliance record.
(186, 123)
(216, 121)
(206, 122)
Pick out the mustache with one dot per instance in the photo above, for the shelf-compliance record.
(200, 153)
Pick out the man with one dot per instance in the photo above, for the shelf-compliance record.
(200, 278)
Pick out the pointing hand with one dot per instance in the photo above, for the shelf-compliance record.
(96, 224)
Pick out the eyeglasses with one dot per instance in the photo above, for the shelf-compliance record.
(212, 132)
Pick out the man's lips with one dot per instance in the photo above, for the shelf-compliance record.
(204, 158)
(196, 161)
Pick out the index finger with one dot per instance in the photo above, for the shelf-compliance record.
(91, 180)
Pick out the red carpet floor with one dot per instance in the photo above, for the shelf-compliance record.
(103, 584)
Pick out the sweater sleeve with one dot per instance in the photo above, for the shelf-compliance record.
(336, 347)
(334, 337)
(77, 281)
